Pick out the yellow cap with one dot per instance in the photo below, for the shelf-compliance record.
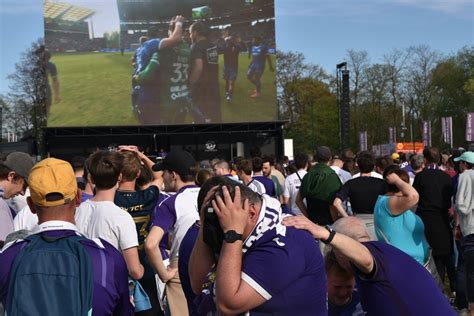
(52, 176)
(395, 156)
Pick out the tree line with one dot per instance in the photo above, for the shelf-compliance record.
(427, 84)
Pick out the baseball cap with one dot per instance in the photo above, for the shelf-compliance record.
(50, 176)
(19, 162)
(177, 160)
(323, 153)
(467, 156)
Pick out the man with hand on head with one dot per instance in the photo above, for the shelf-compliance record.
(389, 281)
(90, 276)
(263, 268)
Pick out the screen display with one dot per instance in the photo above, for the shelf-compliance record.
(159, 62)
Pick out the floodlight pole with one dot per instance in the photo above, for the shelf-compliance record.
(339, 68)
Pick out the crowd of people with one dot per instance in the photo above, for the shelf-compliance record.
(117, 233)
(64, 41)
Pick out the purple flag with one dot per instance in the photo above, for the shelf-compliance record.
(470, 127)
(427, 133)
(447, 129)
(363, 141)
(392, 135)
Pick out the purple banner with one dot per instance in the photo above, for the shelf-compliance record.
(447, 129)
(363, 141)
(427, 133)
(470, 127)
(392, 135)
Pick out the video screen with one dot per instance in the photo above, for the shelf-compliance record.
(160, 62)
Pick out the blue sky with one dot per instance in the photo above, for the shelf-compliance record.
(322, 30)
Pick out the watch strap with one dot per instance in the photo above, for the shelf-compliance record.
(332, 233)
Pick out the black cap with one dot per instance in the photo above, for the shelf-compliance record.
(179, 161)
(323, 154)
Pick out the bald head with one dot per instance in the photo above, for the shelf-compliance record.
(337, 162)
(352, 227)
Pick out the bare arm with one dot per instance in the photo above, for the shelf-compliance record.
(356, 252)
(157, 175)
(299, 202)
(135, 268)
(337, 204)
(399, 204)
(153, 253)
(176, 36)
(234, 295)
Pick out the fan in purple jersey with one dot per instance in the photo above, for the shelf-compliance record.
(262, 267)
(389, 281)
(54, 197)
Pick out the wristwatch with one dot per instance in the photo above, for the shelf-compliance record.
(232, 236)
(332, 232)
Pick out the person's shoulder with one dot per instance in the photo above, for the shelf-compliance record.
(85, 207)
(300, 236)
(150, 193)
(168, 202)
(12, 248)
(100, 248)
(373, 180)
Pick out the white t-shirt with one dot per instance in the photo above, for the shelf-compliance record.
(25, 220)
(372, 174)
(292, 186)
(106, 220)
(176, 214)
(342, 174)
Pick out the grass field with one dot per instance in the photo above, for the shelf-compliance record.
(95, 91)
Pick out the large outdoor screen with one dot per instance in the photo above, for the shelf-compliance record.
(160, 62)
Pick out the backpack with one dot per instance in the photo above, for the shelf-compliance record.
(51, 276)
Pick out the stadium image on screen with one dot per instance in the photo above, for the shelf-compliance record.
(160, 62)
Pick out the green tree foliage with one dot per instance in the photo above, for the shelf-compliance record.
(306, 101)
(112, 39)
(418, 79)
(452, 84)
(25, 113)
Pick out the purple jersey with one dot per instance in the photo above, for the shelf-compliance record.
(268, 183)
(400, 286)
(176, 214)
(110, 289)
(288, 271)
